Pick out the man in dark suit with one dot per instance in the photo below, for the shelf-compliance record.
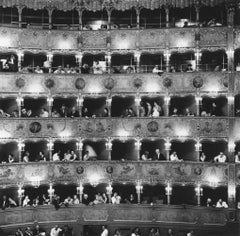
(63, 111)
(158, 156)
(5, 202)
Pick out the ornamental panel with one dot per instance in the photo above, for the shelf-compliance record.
(152, 38)
(124, 39)
(9, 37)
(94, 39)
(214, 36)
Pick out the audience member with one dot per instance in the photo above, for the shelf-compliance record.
(44, 113)
(174, 157)
(63, 111)
(85, 69)
(145, 156)
(221, 204)
(158, 156)
(104, 231)
(131, 199)
(59, 70)
(209, 203)
(5, 202)
(75, 200)
(116, 198)
(237, 157)
(74, 112)
(10, 158)
(26, 201)
(202, 157)
(55, 231)
(38, 70)
(85, 199)
(28, 232)
(220, 158)
(56, 156)
(26, 157)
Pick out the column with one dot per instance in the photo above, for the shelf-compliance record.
(198, 148)
(230, 60)
(168, 192)
(138, 145)
(198, 100)
(199, 193)
(109, 189)
(231, 186)
(109, 12)
(230, 15)
(167, 148)
(50, 146)
(137, 56)
(109, 105)
(108, 145)
(80, 101)
(80, 189)
(20, 194)
(20, 9)
(20, 59)
(139, 189)
(198, 55)
(167, 59)
(21, 147)
(197, 9)
(138, 11)
(79, 61)
(80, 13)
(231, 111)
(20, 102)
(137, 100)
(167, 99)
(50, 59)
(231, 150)
(51, 191)
(50, 104)
(50, 11)
(167, 16)
(80, 149)
(108, 58)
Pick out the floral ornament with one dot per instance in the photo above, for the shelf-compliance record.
(35, 127)
(80, 83)
(80, 170)
(109, 169)
(20, 83)
(225, 81)
(167, 82)
(137, 83)
(152, 126)
(109, 83)
(49, 83)
(50, 126)
(19, 127)
(197, 82)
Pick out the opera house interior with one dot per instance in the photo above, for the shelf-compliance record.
(119, 117)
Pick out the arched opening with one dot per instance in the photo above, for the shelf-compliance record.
(183, 195)
(95, 20)
(212, 148)
(149, 105)
(94, 150)
(123, 63)
(237, 105)
(126, 191)
(213, 15)
(214, 106)
(8, 62)
(237, 59)
(182, 62)
(183, 17)
(94, 63)
(65, 20)
(35, 106)
(149, 61)
(9, 15)
(124, 19)
(9, 107)
(9, 148)
(149, 147)
(123, 106)
(152, 19)
(32, 61)
(214, 61)
(94, 107)
(185, 149)
(64, 63)
(183, 106)
(35, 18)
(34, 148)
(62, 107)
(124, 150)
(153, 194)
(10, 192)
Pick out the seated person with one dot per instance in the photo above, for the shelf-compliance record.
(145, 156)
(220, 158)
(74, 112)
(116, 198)
(85, 69)
(10, 158)
(189, 68)
(131, 199)
(175, 112)
(59, 70)
(44, 113)
(237, 157)
(97, 68)
(130, 70)
(188, 113)
(158, 156)
(210, 203)
(38, 70)
(202, 157)
(238, 67)
(156, 70)
(56, 156)
(221, 204)
(174, 157)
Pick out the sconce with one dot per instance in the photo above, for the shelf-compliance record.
(167, 99)
(80, 189)
(109, 144)
(20, 56)
(139, 187)
(230, 99)
(80, 100)
(49, 57)
(50, 145)
(21, 145)
(198, 146)
(199, 191)
(36, 183)
(137, 55)
(138, 144)
(137, 100)
(167, 146)
(78, 58)
(79, 145)
(168, 189)
(19, 100)
(109, 189)
(50, 100)
(167, 55)
(20, 192)
(231, 146)
(230, 53)
(198, 100)
(51, 191)
(109, 101)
